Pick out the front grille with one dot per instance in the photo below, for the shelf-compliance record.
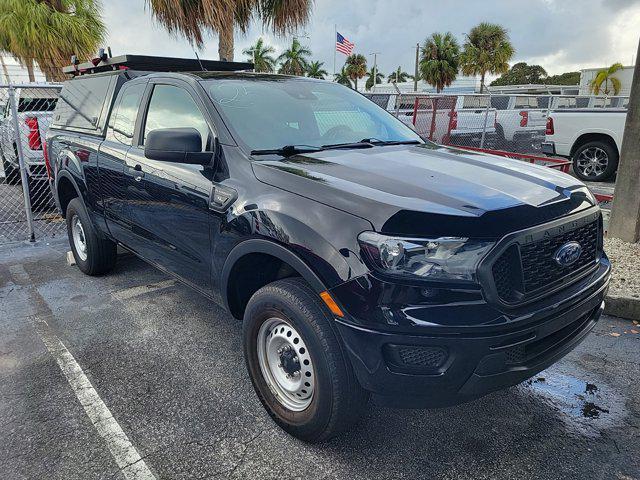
(526, 270)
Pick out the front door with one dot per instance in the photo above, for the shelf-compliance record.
(167, 202)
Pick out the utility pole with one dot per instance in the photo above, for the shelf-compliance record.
(415, 77)
(625, 214)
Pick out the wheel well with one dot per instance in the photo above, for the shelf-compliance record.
(66, 193)
(592, 137)
(250, 273)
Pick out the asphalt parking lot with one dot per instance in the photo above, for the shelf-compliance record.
(167, 366)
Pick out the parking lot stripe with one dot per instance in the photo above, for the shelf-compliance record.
(128, 293)
(125, 454)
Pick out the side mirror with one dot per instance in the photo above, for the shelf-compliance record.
(181, 145)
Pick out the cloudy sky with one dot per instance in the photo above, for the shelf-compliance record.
(561, 35)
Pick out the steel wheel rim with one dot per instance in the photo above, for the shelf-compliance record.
(79, 239)
(278, 347)
(592, 161)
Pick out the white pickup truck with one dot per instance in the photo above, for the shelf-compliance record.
(520, 122)
(591, 138)
(35, 111)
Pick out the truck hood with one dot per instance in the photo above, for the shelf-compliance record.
(377, 183)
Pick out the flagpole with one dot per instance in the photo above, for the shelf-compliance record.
(335, 39)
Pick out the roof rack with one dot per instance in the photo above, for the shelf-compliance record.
(147, 63)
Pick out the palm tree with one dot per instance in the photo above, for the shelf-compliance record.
(440, 60)
(605, 76)
(193, 19)
(398, 76)
(49, 32)
(486, 50)
(356, 64)
(342, 77)
(315, 70)
(369, 83)
(293, 60)
(261, 56)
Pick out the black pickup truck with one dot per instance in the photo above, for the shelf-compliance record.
(361, 259)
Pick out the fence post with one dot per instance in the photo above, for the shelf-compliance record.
(23, 169)
(486, 116)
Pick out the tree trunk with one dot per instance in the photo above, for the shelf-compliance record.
(32, 76)
(225, 43)
(5, 70)
(482, 82)
(625, 214)
(356, 83)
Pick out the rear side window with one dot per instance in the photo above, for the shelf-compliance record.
(123, 118)
(82, 101)
(173, 107)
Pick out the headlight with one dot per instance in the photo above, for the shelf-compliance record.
(444, 258)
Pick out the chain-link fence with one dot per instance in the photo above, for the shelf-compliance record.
(504, 122)
(27, 209)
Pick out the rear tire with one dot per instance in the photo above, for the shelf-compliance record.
(93, 254)
(595, 161)
(322, 398)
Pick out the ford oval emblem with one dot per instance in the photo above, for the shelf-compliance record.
(568, 254)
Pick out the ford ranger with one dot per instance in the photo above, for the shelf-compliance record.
(361, 259)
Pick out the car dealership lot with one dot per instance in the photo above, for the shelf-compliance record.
(167, 365)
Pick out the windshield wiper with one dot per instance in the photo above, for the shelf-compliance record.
(348, 145)
(377, 142)
(287, 150)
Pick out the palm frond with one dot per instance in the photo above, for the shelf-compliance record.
(50, 32)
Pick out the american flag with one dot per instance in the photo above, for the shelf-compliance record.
(343, 45)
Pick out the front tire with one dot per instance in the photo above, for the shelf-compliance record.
(595, 161)
(297, 364)
(93, 254)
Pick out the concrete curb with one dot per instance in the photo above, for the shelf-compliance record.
(623, 307)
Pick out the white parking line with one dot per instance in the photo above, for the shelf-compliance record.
(142, 289)
(125, 454)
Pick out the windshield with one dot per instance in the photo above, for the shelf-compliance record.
(271, 112)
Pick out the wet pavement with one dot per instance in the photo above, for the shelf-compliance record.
(168, 366)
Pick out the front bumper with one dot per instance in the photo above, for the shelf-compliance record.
(428, 365)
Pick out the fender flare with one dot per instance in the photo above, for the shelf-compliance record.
(65, 174)
(257, 245)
